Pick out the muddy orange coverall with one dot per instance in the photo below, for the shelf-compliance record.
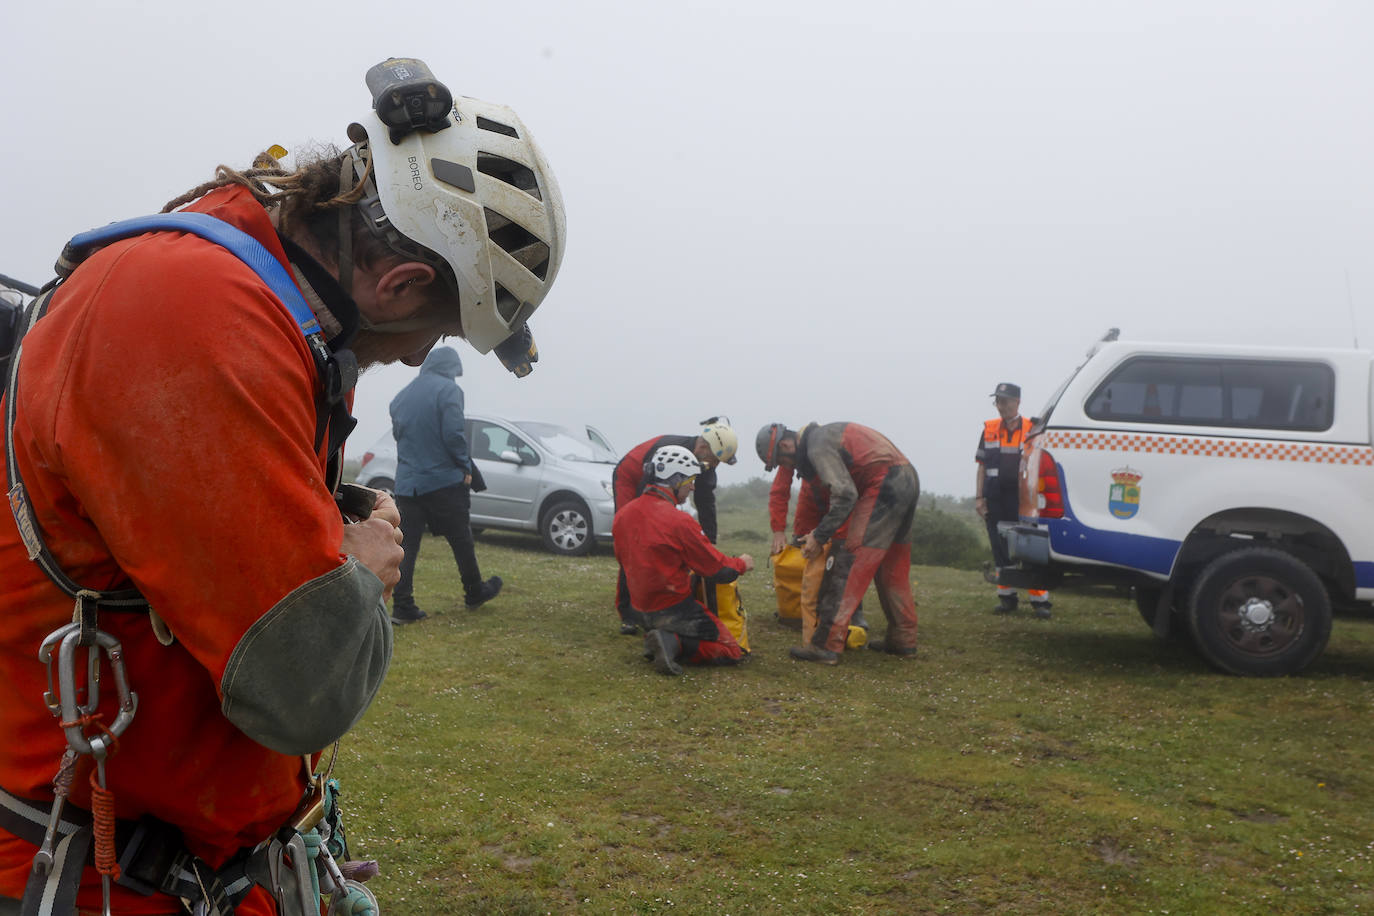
(872, 489)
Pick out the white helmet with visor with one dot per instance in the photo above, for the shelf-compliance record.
(673, 465)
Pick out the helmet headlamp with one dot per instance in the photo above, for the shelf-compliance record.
(407, 97)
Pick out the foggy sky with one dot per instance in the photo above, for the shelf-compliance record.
(788, 211)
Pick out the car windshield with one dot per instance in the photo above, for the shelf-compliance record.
(566, 443)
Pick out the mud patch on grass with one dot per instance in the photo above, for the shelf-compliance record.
(653, 825)
(1261, 816)
(1110, 850)
(509, 861)
(771, 705)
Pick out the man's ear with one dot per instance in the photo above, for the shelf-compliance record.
(401, 290)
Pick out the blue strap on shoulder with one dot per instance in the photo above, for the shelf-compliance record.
(246, 248)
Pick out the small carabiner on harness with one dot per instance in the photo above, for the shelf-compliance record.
(74, 718)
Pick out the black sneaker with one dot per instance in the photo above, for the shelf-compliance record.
(490, 589)
(628, 629)
(1041, 609)
(810, 653)
(880, 645)
(661, 648)
(403, 615)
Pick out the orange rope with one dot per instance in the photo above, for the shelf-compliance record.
(103, 826)
(94, 719)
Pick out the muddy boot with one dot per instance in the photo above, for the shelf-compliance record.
(1006, 604)
(662, 648)
(882, 645)
(1041, 609)
(809, 653)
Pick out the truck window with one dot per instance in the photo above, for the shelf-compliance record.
(1257, 394)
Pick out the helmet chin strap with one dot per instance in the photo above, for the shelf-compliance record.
(348, 174)
(400, 326)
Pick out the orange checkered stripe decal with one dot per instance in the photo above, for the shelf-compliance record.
(1212, 448)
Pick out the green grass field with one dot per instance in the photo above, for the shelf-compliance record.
(524, 758)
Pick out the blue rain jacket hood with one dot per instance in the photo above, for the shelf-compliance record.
(427, 421)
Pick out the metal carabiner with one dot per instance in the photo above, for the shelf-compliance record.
(45, 656)
(72, 714)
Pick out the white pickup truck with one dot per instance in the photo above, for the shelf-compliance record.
(1233, 486)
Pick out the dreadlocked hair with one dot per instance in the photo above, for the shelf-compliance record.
(307, 199)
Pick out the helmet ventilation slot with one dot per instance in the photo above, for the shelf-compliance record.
(516, 241)
(496, 127)
(506, 303)
(513, 173)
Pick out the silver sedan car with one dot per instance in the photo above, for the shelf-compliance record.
(549, 478)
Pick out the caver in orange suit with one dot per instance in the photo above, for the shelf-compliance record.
(192, 475)
(872, 491)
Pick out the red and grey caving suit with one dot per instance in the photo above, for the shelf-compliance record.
(165, 433)
(999, 456)
(873, 490)
(659, 547)
(628, 481)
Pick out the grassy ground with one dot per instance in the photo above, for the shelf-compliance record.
(524, 758)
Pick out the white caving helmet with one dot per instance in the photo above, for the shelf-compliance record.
(720, 436)
(475, 199)
(673, 464)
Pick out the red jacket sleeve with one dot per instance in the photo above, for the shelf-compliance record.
(811, 505)
(779, 495)
(700, 554)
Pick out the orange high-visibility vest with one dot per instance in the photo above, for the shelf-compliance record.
(1000, 455)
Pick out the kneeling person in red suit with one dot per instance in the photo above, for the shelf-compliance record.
(659, 548)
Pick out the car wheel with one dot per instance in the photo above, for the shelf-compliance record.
(383, 483)
(1259, 611)
(566, 526)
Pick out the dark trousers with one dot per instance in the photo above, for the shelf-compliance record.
(1001, 556)
(445, 513)
(995, 541)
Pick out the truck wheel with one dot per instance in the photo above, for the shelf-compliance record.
(1147, 604)
(1261, 612)
(566, 527)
